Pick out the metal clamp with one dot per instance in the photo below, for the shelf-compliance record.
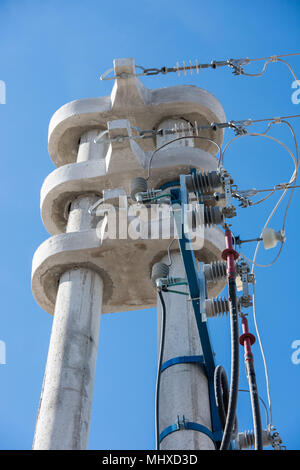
(227, 182)
(188, 425)
(237, 64)
(182, 360)
(243, 271)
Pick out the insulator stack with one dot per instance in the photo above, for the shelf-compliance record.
(206, 183)
(213, 216)
(215, 271)
(246, 439)
(216, 307)
(137, 185)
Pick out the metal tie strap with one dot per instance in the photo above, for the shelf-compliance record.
(188, 425)
(182, 360)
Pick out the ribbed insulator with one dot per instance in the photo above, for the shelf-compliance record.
(206, 183)
(213, 216)
(246, 439)
(215, 271)
(159, 270)
(216, 307)
(137, 185)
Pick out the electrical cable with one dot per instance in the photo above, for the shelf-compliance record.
(255, 134)
(235, 345)
(235, 356)
(221, 388)
(263, 358)
(253, 261)
(291, 185)
(293, 179)
(271, 60)
(278, 187)
(264, 405)
(169, 252)
(255, 405)
(160, 358)
(252, 204)
(235, 64)
(175, 140)
(246, 340)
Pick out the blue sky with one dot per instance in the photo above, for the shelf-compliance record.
(53, 52)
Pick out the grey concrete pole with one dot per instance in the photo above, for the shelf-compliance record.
(184, 387)
(63, 418)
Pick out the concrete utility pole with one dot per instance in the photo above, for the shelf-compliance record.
(76, 275)
(184, 388)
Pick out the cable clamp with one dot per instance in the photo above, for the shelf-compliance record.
(276, 440)
(188, 425)
(162, 283)
(282, 186)
(274, 58)
(276, 120)
(239, 127)
(237, 64)
(143, 134)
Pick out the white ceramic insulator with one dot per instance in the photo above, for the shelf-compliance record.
(270, 238)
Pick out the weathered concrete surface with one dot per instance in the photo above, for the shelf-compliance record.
(68, 181)
(133, 260)
(101, 166)
(73, 273)
(184, 388)
(64, 414)
(63, 418)
(131, 100)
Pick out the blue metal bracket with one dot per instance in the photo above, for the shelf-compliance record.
(189, 425)
(182, 360)
(197, 287)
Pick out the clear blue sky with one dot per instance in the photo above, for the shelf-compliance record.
(52, 52)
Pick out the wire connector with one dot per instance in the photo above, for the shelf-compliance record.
(229, 210)
(237, 65)
(246, 278)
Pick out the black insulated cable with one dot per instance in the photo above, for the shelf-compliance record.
(160, 358)
(246, 340)
(235, 360)
(255, 405)
(221, 388)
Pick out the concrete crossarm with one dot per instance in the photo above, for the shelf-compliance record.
(142, 107)
(116, 264)
(86, 168)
